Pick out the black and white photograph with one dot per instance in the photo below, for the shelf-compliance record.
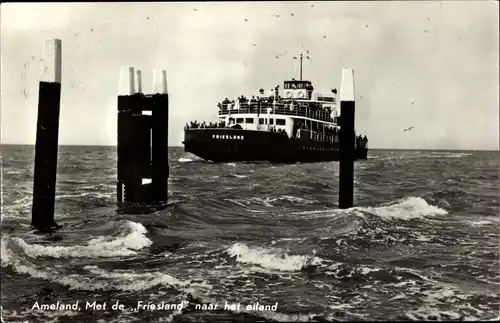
(252, 161)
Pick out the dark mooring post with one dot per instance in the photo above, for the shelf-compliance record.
(125, 92)
(142, 141)
(159, 140)
(47, 138)
(347, 139)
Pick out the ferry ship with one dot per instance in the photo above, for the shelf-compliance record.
(288, 125)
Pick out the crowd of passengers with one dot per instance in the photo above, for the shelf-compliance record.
(196, 125)
(226, 103)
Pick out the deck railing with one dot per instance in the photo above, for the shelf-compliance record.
(280, 109)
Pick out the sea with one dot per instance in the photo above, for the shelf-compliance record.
(257, 242)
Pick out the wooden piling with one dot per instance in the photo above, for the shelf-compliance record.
(347, 140)
(143, 143)
(47, 138)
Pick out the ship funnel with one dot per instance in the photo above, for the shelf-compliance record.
(160, 82)
(127, 81)
(51, 66)
(347, 86)
(139, 81)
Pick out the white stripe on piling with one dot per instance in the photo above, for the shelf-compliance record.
(139, 81)
(160, 82)
(347, 85)
(51, 64)
(127, 81)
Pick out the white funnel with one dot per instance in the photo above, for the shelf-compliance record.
(127, 81)
(347, 86)
(160, 82)
(51, 65)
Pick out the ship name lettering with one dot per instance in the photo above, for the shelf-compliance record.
(231, 137)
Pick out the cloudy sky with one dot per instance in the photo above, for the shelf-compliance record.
(431, 65)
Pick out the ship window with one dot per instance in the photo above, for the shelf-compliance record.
(280, 122)
(239, 120)
(261, 120)
(271, 121)
(249, 120)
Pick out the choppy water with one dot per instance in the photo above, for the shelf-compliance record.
(422, 243)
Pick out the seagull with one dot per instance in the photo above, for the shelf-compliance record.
(277, 15)
(91, 29)
(246, 19)
(366, 25)
(408, 129)
(426, 31)
(254, 45)
(413, 103)
(291, 13)
(195, 9)
(147, 18)
(281, 54)
(312, 6)
(295, 57)
(324, 36)
(308, 57)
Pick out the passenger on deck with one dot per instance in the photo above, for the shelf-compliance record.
(309, 90)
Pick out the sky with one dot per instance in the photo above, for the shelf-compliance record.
(431, 65)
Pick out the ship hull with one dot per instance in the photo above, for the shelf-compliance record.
(237, 145)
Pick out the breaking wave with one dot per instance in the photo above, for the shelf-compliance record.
(270, 259)
(404, 209)
(132, 239)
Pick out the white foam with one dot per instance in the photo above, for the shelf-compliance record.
(124, 245)
(268, 201)
(96, 279)
(399, 296)
(480, 223)
(185, 160)
(405, 209)
(366, 270)
(270, 258)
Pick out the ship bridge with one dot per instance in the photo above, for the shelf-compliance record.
(297, 89)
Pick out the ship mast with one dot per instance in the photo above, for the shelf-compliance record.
(301, 66)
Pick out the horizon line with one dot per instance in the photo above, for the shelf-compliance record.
(407, 149)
